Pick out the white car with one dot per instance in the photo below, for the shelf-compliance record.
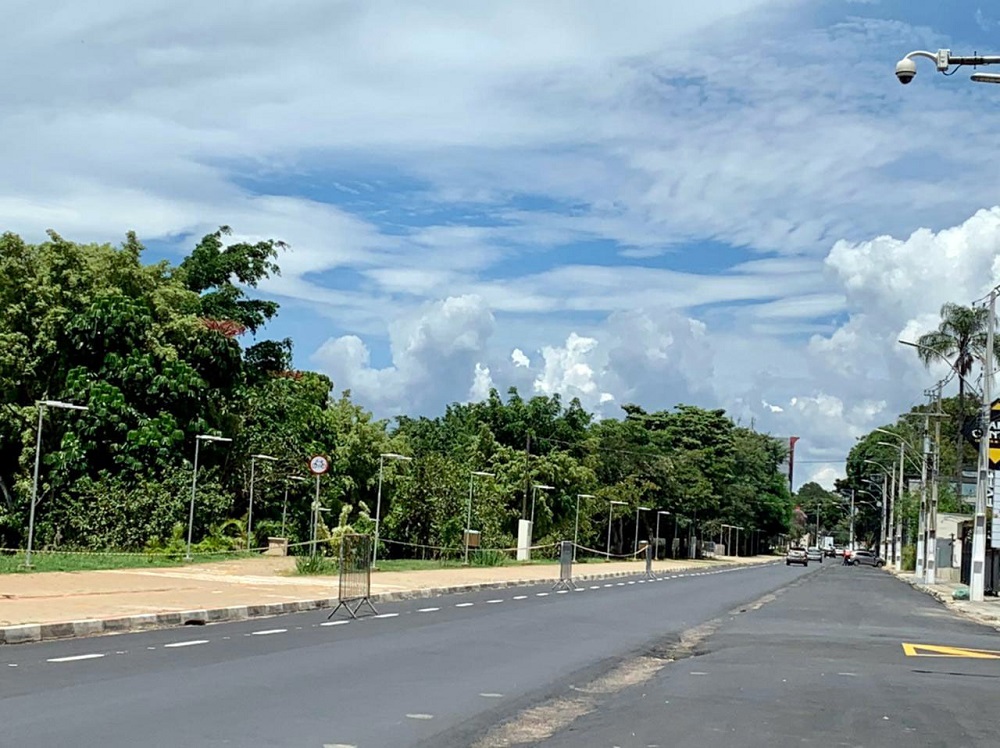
(815, 554)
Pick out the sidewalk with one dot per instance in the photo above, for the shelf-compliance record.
(987, 612)
(55, 605)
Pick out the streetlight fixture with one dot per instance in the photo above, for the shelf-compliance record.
(534, 492)
(378, 502)
(576, 526)
(194, 482)
(284, 508)
(611, 509)
(897, 520)
(906, 69)
(468, 523)
(886, 474)
(635, 548)
(42, 405)
(656, 542)
(253, 465)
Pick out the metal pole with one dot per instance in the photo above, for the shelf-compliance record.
(897, 532)
(194, 488)
(315, 518)
(921, 564)
(635, 547)
(672, 539)
(737, 542)
(378, 508)
(576, 527)
(931, 567)
(852, 519)
(534, 493)
(284, 510)
(468, 521)
(253, 465)
(656, 537)
(611, 510)
(977, 580)
(885, 504)
(34, 486)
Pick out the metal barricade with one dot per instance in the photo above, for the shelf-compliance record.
(354, 586)
(565, 566)
(649, 563)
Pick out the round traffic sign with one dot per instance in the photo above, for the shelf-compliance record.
(318, 465)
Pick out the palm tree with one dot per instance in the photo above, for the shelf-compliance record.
(961, 338)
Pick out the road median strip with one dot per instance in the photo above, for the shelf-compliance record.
(40, 632)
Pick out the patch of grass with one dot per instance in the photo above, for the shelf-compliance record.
(315, 565)
(13, 563)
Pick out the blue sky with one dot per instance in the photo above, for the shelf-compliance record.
(733, 204)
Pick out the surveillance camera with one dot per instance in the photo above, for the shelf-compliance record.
(905, 70)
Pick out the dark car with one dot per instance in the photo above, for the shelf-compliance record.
(866, 558)
(796, 555)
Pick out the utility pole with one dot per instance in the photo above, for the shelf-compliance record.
(977, 578)
(527, 476)
(921, 560)
(897, 532)
(930, 547)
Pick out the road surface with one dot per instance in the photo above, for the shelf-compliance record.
(441, 671)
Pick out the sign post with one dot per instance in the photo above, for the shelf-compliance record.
(317, 466)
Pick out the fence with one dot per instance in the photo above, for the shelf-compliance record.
(354, 587)
(566, 548)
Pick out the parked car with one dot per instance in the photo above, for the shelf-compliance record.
(815, 554)
(866, 558)
(830, 551)
(796, 555)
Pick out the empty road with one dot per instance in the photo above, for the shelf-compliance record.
(439, 671)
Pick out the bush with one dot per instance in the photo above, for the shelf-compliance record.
(315, 565)
(909, 560)
(487, 557)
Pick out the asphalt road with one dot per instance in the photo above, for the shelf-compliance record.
(442, 670)
(823, 664)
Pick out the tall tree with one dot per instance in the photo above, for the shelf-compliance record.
(961, 338)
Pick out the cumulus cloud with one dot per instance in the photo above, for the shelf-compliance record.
(434, 356)
(519, 359)
(482, 383)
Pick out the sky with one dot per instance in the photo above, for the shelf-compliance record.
(730, 204)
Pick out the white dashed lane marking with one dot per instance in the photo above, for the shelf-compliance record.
(191, 643)
(76, 658)
(464, 605)
(386, 615)
(519, 597)
(429, 610)
(492, 695)
(268, 632)
(420, 716)
(334, 623)
(541, 594)
(493, 602)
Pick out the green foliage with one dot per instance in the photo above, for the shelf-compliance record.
(909, 558)
(154, 351)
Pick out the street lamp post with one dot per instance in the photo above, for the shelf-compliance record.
(253, 461)
(194, 482)
(576, 524)
(468, 522)
(42, 405)
(284, 507)
(378, 501)
(656, 542)
(886, 472)
(903, 444)
(611, 510)
(638, 509)
(738, 541)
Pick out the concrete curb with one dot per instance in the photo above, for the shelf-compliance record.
(40, 632)
(956, 606)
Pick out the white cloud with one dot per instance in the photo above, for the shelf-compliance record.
(482, 383)
(519, 359)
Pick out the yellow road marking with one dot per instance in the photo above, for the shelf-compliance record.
(935, 650)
